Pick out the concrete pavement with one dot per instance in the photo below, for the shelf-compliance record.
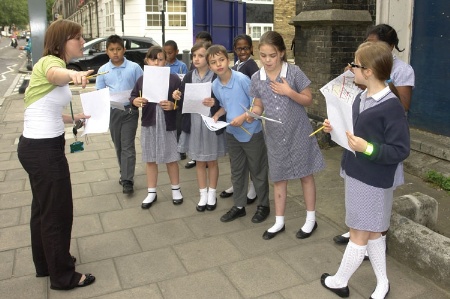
(173, 251)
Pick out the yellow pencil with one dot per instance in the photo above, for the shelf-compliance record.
(175, 104)
(98, 74)
(246, 130)
(93, 76)
(251, 107)
(316, 131)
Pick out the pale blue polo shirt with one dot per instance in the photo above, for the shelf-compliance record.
(178, 67)
(231, 96)
(119, 78)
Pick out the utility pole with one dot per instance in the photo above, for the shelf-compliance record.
(38, 25)
(122, 13)
(162, 8)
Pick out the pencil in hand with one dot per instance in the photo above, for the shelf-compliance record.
(317, 131)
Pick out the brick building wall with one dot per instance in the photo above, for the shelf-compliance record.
(283, 12)
(324, 47)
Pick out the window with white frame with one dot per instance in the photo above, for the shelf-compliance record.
(255, 30)
(175, 13)
(109, 14)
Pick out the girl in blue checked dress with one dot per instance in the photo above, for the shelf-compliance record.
(281, 92)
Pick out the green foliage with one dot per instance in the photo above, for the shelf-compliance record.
(16, 12)
(439, 179)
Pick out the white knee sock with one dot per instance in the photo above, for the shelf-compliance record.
(212, 196)
(352, 259)
(203, 196)
(310, 221)
(377, 254)
(251, 190)
(230, 190)
(176, 192)
(279, 223)
(150, 196)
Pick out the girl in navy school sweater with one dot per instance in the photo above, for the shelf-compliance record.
(381, 142)
(158, 132)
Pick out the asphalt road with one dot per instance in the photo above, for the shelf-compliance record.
(11, 60)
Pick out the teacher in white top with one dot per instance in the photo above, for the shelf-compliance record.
(41, 153)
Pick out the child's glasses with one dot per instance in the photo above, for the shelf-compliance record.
(353, 65)
(242, 49)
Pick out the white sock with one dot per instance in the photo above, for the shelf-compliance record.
(352, 259)
(377, 254)
(310, 221)
(251, 190)
(346, 235)
(212, 196)
(229, 190)
(176, 192)
(150, 196)
(279, 223)
(203, 196)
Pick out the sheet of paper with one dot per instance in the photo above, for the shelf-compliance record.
(97, 105)
(340, 93)
(343, 87)
(214, 126)
(121, 97)
(340, 116)
(194, 94)
(254, 115)
(155, 83)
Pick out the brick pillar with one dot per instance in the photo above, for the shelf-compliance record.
(283, 12)
(325, 41)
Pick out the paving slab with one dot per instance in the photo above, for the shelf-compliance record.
(149, 267)
(108, 245)
(207, 284)
(207, 253)
(164, 234)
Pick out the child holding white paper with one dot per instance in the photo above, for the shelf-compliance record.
(201, 144)
(381, 141)
(158, 132)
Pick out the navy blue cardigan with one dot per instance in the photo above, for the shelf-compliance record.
(148, 118)
(386, 127)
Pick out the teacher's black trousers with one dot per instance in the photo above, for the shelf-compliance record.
(51, 208)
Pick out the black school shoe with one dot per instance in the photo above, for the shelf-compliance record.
(261, 214)
(225, 194)
(127, 187)
(340, 239)
(190, 164)
(302, 235)
(341, 292)
(233, 214)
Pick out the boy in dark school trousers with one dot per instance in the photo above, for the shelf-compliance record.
(245, 141)
(122, 76)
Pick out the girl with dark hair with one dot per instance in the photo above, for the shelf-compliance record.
(402, 74)
(281, 91)
(41, 153)
(381, 143)
(158, 132)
